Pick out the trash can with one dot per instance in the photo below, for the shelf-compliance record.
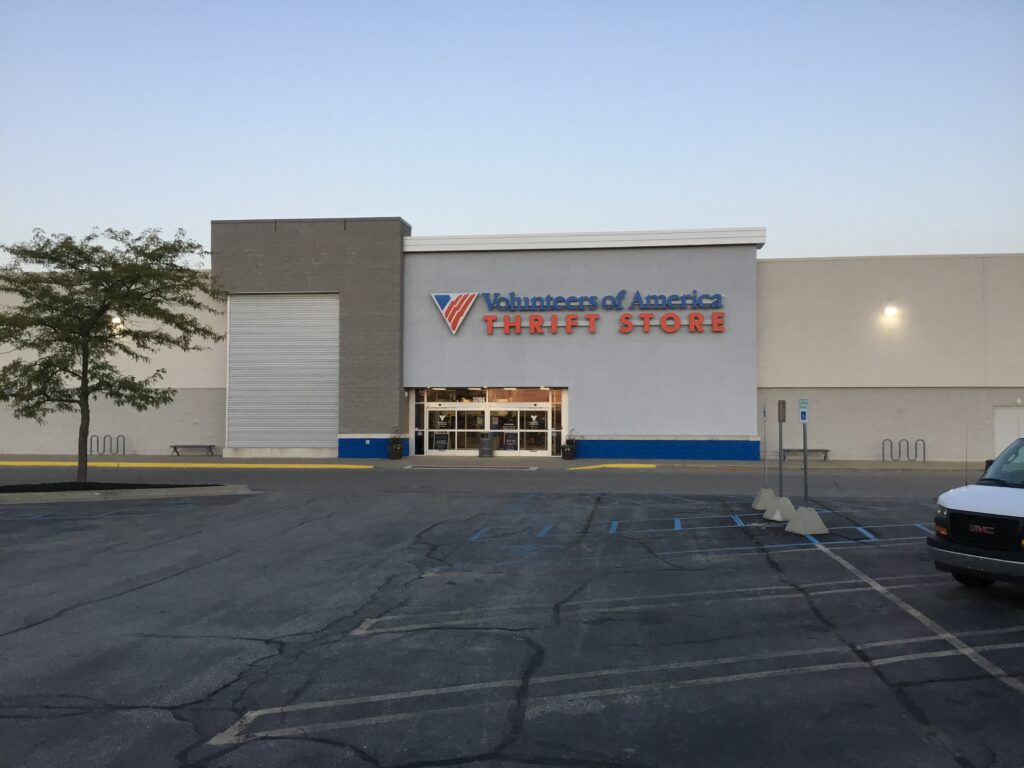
(569, 450)
(395, 449)
(487, 445)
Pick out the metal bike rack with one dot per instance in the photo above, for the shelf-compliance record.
(112, 445)
(888, 442)
(901, 450)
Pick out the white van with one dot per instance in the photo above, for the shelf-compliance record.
(979, 528)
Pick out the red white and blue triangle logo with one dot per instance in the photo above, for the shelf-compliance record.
(453, 307)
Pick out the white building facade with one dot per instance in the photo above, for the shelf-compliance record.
(345, 333)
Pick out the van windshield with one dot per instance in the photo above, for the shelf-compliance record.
(1008, 468)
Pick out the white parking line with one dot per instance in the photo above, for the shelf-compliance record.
(632, 599)
(753, 550)
(941, 632)
(235, 735)
(370, 626)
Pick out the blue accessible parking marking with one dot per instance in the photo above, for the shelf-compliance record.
(613, 527)
(544, 531)
(867, 534)
(477, 536)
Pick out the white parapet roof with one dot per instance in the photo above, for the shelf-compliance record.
(663, 238)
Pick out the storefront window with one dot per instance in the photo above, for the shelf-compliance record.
(468, 441)
(508, 441)
(456, 395)
(504, 420)
(441, 420)
(527, 419)
(518, 395)
(442, 441)
(471, 420)
(533, 441)
(535, 420)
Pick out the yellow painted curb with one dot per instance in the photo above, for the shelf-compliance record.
(615, 466)
(179, 465)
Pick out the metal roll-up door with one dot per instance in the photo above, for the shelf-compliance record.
(282, 371)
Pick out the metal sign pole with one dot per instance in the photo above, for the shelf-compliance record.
(782, 420)
(764, 431)
(805, 409)
(807, 502)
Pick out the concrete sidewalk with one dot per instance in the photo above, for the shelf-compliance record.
(541, 463)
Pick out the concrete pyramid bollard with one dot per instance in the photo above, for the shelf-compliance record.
(763, 500)
(780, 510)
(806, 521)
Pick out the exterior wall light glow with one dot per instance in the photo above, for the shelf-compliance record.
(891, 311)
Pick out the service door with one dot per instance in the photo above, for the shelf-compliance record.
(1009, 425)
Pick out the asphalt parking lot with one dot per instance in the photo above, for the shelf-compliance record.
(502, 617)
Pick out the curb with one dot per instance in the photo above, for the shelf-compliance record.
(181, 465)
(123, 493)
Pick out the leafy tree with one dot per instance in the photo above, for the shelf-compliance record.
(85, 303)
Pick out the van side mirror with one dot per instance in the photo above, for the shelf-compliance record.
(989, 463)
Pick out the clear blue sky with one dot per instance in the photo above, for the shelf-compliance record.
(843, 127)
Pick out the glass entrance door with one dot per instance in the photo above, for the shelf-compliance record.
(519, 428)
(533, 435)
(440, 429)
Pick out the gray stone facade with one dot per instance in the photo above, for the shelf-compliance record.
(362, 260)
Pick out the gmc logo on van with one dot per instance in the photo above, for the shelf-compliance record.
(988, 530)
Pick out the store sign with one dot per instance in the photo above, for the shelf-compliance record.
(692, 312)
(453, 307)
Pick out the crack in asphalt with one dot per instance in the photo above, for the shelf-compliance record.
(392, 592)
(589, 521)
(94, 601)
(931, 731)
(118, 549)
(556, 609)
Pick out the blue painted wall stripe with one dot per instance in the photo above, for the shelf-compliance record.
(367, 447)
(707, 450)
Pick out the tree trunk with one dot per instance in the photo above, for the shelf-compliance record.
(83, 424)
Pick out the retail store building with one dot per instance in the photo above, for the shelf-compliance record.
(342, 333)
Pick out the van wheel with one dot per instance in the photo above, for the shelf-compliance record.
(970, 580)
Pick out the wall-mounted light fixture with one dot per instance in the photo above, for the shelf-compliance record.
(891, 310)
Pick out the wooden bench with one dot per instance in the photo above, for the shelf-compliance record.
(177, 448)
(822, 451)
